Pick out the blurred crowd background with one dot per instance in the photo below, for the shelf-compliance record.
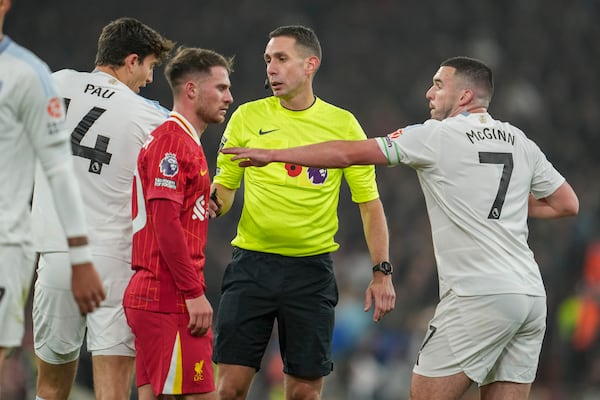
(378, 60)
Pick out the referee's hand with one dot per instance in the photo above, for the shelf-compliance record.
(381, 291)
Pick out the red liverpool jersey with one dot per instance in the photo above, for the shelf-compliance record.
(172, 166)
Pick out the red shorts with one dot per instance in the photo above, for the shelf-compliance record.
(167, 356)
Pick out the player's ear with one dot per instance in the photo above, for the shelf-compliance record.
(132, 60)
(466, 96)
(190, 88)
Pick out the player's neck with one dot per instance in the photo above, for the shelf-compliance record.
(192, 118)
(112, 71)
(476, 109)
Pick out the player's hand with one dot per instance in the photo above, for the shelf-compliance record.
(201, 315)
(214, 205)
(381, 290)
(87, 287)
(249, 157)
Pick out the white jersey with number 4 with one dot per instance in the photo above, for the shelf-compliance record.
(476, 174)
(108, 123)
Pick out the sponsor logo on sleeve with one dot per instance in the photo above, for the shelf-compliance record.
(56, 112)
(221, 144)
(55, 108)
(390, 137)
(162, 182)
(396, 134)
(168, 165)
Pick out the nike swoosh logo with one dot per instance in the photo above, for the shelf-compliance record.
(203, 172)
(261, 132)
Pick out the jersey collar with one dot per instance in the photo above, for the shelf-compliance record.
(185, 125)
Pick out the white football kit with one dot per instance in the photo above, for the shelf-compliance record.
(476, 174)
(31, 127)
(108, 123)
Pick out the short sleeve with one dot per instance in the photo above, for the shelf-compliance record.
(228, 173)
(546, 179)
(414, 145)
(360, 178)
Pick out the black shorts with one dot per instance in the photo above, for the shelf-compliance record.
(299, 292)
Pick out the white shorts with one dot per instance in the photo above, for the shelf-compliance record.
(59, 328)
(489, 338)
(16, 271)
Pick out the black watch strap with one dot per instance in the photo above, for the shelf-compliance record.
(385, 267)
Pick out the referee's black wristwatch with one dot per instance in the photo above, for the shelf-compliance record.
(384, 267)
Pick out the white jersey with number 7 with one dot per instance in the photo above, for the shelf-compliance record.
(476, 174)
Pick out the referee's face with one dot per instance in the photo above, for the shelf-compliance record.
(287, 69)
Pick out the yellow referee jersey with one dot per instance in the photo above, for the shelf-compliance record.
(289, 209)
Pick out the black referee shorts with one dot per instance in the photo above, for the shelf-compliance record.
(300, 293)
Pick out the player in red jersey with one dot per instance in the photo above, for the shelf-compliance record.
(165, 302)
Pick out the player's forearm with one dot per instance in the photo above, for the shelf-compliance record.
(562, 203)
(540, 209)
(333, 154)
(56, 161)
(376, 230)
(173, 247)
(69, 206)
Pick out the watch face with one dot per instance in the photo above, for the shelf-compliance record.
(384, 267)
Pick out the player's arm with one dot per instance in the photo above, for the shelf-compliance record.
(43, 117)
(380, 289)
(221, 200)
(86, 285)
(562, 203)
(332, 154)
(174, 250)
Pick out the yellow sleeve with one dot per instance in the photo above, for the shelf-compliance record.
(228, 173)
(360, 178)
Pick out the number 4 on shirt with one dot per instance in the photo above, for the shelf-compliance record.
(97, 155)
